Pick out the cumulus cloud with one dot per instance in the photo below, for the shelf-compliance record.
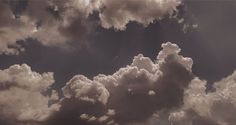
(133, 94)
(57, 22)
(23, 95)
(164, 92)
(119, 13)
(218, 106)
(146, 92)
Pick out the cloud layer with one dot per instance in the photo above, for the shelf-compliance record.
(163, 92)
(57, 22)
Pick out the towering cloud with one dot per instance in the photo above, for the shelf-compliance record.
(148, 93)
(56, 22)
(131, 95)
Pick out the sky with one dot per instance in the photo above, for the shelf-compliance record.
(117, 62)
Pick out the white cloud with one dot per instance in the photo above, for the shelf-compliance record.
(134, 92)
(84, 89)
(163, 92)
(55, 23)
(118, 14)
(218, 106)
(21, 95)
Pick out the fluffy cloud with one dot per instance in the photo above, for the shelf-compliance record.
(23, 95)
(119, 13)
(132, 94)
(163, 92)
(218, 106)
(57, 22)
(148, 93)
(84, 89)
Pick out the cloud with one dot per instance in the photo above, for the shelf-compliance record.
(40, 20)
(132, 94)
(23, 95)
(12, 29)
(59, 22)
(164, 92)
(218, 106)
(119, 13)
(146, 92)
